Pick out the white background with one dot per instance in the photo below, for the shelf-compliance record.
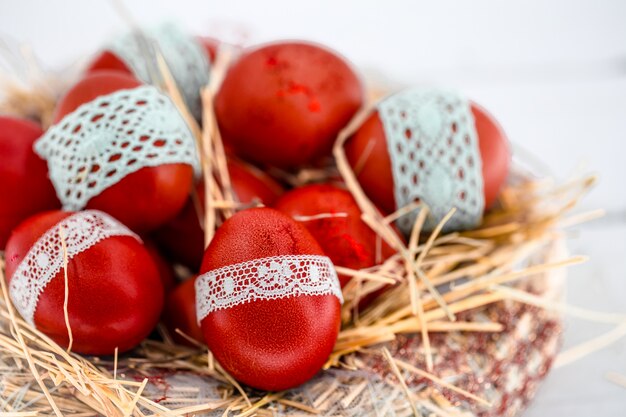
(552, 72)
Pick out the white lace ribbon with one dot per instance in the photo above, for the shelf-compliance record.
(108, 138)
(433, 147)
(184, 56)
(44, 260)
(265, 279)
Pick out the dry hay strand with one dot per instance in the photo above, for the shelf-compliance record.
(25, 89)
(34, 103)
(478, 269)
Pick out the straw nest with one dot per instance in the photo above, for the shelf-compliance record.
(470, 326)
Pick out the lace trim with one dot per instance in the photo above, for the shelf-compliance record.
(433, 146)
(104, 140)
(44, 260)
(265, 279)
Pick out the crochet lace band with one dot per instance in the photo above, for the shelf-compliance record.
(433, 147)
(106, 139)
(265, 279)
(44, 260)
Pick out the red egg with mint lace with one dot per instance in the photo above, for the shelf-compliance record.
(268, 300)
(283, 104)
(114, 295)
(145, 198)
(368, 153)
(182, 239)
(24, 182)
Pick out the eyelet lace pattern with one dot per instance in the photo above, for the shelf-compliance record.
(265, 279)
(103, 141)
(44, 260)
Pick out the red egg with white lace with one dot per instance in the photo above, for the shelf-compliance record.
(268, 300)
(113, 291)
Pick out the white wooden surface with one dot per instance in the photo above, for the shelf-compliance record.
(553, 72)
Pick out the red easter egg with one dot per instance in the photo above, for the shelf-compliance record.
(144, 199)
(180, 313)
(269, 344)
(24, 184)
(114, 298)
(367, 153)
(182, 239)
(250, 183)
(108, 61)
(283, 104)
(348, 241)
(166, 271)
(494, 151)
(210, 46)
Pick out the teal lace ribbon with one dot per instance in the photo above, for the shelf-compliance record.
(433, 146)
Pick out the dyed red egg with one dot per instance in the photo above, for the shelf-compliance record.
(368, 154)
(180, 313)
(108, 61)
(166, 271)
(264, 337)
(115, 296)
(143, 199)
(283, 104)
(210, 45)
(182, 239)
(24, 184)
(333, 217)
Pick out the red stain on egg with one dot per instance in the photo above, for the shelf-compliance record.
(283, 104)
(341, 233)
